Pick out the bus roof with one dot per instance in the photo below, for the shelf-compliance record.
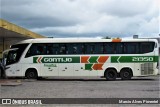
(81, 40)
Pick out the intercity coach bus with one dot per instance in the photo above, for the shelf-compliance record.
(109, 58)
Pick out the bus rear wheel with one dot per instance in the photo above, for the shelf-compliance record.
(126, 74)
(31, 74)
(111, 74)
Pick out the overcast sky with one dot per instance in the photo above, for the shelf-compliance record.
(85, 18)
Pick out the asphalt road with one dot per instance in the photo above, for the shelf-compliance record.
(138, 87)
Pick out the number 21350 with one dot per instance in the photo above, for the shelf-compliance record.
(145, 59)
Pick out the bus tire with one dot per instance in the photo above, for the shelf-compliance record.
(31, 74)
(126, 74)
(110, 74)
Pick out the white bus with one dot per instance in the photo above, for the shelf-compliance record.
(109, 58)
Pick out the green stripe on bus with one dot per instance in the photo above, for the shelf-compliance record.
(35, 59)
(135, 59)
(88, 66)
(93, 59)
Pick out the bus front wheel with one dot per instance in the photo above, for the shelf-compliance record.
(111, 74)
(31, 74)
(126, 74)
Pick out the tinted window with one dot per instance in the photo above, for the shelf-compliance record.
(131, 48)
(50, 49)
(75, 48)
(113, 48)
(119, 48)
(90, 48)
(146, 47)
(37, 49)
(99, 48)
(109, 48)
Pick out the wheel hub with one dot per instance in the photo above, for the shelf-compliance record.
(126, 74)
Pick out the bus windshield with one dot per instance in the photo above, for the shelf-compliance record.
(15, 54)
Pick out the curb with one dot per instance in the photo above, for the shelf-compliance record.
(6, 82)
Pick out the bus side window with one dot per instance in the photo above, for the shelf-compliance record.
(108, 48)
(40, 50)
(63, 49)
(71, 48)
(146, 47)
(55, 49)
(37, 49)
(131, 48)
(119, 48)
(79, 48)
(113, 48)
(32, 50)
(90, 48)
(99, 48)
(75, 50)
(83, 48)
(52, 48)
(104, 48)
(49, 49)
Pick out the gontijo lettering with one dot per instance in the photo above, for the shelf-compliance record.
(57, 60)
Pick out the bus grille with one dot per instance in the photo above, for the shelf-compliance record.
(147, 68)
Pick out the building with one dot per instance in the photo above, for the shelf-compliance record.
(11, 33)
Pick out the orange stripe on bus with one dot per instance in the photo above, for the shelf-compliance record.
(97, 67)
(84, 59)
(103, 59)
(39, 59)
